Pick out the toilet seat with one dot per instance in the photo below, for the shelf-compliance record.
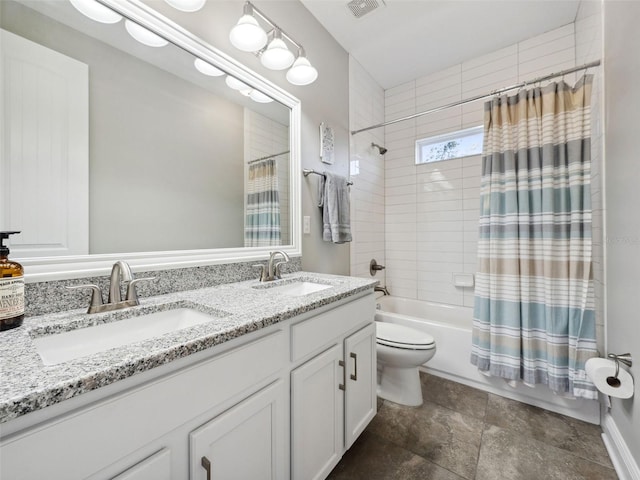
(399, 336)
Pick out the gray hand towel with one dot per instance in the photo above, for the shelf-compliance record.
(333, 197)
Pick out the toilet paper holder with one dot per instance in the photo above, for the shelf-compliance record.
(621, 357)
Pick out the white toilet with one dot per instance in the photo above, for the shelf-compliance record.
(401, 350)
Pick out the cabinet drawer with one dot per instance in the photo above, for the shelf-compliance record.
(313, 334)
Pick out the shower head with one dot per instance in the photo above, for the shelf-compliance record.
(381, 149)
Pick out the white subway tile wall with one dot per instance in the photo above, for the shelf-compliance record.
(588, 28)
(366, 107)
(430, 212)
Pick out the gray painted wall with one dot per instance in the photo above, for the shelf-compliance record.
(326, 100)
(622, 118)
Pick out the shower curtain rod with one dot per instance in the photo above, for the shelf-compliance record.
(265, 158)
(480, 97)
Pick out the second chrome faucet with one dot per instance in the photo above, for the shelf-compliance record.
(271, 271)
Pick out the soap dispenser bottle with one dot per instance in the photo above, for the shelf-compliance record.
(11, 288)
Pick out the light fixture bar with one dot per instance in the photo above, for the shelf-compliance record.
(273, 25)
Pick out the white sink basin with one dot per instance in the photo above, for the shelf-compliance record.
(298, 289)
(62, 347)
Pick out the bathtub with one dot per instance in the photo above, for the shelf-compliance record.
(450, 326)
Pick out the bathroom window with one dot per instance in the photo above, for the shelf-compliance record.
(462, 143)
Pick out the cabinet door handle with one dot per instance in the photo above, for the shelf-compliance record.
(206, 464)
(354, 375)
(344, 375)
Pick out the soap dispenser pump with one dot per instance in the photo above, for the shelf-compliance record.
(11, 288)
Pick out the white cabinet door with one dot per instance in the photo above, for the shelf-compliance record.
(155, 467)
(360, 394)
(317, 415)
(245, 442)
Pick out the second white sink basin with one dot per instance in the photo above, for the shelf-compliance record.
(62, 347)
(298, 289)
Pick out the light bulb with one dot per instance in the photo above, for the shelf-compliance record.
(143, 35)
(206, 68)
(248, 35)
(277, 56)
(96, 11)
(186, 5)
(302, 72)
(236, 84)
(258, 96)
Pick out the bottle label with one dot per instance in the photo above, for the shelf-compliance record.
(11, 297)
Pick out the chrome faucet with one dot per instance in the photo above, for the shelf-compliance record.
(271, 271)
(120, 272)
(379, 288)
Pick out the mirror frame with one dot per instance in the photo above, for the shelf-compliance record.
(60, 268)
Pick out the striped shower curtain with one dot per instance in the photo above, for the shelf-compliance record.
(534, 317)
(262, 227)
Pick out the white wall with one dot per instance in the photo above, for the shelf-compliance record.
(366, 107)
(622, 120)
(432, 210)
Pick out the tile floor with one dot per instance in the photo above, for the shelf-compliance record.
(463, 433)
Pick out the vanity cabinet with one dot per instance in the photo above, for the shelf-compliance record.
(108, 437)
(245, 442)
(266, 405)
(157, 466)
(360, 393)
(317, 415)
(333, 395)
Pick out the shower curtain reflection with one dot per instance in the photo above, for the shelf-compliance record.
(262, 227)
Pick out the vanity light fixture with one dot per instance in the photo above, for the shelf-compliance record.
(143, 35)
(187, 5)
(247, 35)
(206, 68)
(277, 56)
(302, 72)
(96, 11)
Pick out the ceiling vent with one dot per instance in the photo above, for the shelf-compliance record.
(359, 8)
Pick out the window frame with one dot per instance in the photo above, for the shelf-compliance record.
(445, 137)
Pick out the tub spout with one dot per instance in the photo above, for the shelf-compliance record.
(381, 289)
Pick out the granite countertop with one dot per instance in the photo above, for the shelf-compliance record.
(27, 385)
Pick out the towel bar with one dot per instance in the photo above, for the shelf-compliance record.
(306, 172)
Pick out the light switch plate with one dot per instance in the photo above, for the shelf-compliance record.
(306, 225)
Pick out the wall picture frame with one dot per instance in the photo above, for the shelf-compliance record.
(326, 144)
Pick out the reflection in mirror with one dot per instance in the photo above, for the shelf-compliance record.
(114, 146)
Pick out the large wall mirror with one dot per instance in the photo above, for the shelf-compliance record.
(164, 155)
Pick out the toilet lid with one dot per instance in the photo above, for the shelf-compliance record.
(399, 336)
